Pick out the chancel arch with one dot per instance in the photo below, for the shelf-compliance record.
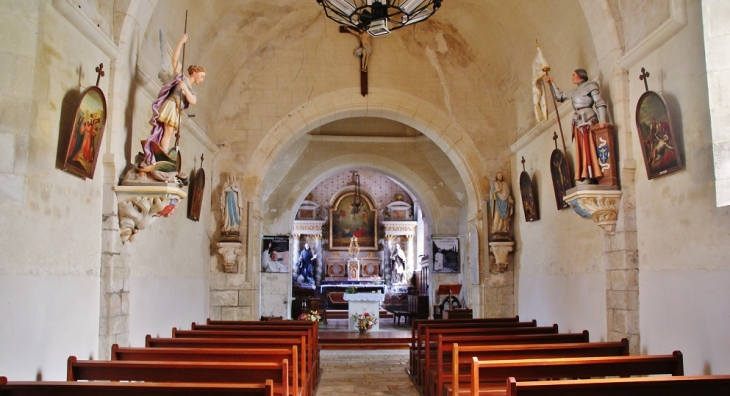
(380, 102)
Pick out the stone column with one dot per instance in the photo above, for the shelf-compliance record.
(387, 268)
(295, 256)
(410, 257)
(318, 260)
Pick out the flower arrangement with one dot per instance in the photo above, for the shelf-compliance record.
(351, 290)
(312, 316)
(364, 321)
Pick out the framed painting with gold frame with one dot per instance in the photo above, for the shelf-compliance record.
(659, 144)
(86, 134)
(347, 221)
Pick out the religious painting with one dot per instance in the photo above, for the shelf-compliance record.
(195, 194)
(529, 198)
(445, 254)
(657, 140)
(86, 134)
(275, 254)
(347, 220)
(560, 172)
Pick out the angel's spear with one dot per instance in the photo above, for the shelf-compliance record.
(180, 108)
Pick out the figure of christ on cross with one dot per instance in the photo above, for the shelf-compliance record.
(363, 52)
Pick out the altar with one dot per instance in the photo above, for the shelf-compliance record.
(359, 303)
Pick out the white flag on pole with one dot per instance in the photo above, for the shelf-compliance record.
(540, 68)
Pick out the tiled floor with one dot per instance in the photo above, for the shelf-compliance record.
(364, 372)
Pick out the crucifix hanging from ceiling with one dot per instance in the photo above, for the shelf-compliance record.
(366, 18)
(363, 52)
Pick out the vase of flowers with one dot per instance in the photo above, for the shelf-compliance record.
(364, 322)
(311, 316)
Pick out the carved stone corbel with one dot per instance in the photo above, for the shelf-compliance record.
(230, 252)
(139, 206)
(601, 205)
(501, 251)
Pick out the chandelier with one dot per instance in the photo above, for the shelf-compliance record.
(379, 17)
(357, 199)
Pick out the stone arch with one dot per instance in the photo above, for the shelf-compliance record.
(380, 102)
(415, 184)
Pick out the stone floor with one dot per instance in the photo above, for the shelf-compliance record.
(364, 372)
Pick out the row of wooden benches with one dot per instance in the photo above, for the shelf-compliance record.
(237, 357)
(502, 356)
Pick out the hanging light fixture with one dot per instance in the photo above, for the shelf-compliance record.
(357, 199)
(379, 17)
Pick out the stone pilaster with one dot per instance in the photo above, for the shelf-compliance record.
(114, 274)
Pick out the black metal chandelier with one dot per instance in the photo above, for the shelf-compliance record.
(379, 17)
(357, 199)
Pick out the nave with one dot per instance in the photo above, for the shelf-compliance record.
(365, 372)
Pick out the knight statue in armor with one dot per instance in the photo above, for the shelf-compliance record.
(584, 98)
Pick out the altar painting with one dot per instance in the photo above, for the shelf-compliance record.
(347, 221)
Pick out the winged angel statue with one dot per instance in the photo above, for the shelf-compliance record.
(159, 161)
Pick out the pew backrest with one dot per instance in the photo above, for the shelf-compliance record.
(705, 385)
(72, 388)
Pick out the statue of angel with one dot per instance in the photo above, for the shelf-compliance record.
(177, 91)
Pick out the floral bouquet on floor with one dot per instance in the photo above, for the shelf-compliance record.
(312, 316)
(364, 321)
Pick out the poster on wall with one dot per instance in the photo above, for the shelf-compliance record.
(445, 254)
(275, 254)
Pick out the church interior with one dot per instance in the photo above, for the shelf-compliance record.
(417, 165)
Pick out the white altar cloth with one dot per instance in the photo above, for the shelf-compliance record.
(359, 303)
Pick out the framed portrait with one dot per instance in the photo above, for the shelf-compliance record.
(86, 134)
(347, 221)
(657, 140)
(445, 254)
(529, 198)
(560, 173)
(275, 254)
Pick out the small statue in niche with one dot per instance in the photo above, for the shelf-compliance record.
(306, 264)
(231, 206)
(501, 204)
(398, 265)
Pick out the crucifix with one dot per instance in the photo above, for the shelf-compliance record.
(363, 52)
(644, 77)
(99, 73)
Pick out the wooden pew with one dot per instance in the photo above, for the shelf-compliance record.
(457, 358)
(72, 388)
(298, 374)
(425, 354)
(487, 377)
(309, 350)
(161, 371)
(278, 342)
(706, 385)
(279, 325)
(417, 324)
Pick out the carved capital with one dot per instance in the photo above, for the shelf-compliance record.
(598, 204)
(230, 252)
(400, 228)
(501, 251)
(308, 227)
(139, 206)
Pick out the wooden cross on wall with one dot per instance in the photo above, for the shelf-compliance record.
(99, 73)
(364, 54)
